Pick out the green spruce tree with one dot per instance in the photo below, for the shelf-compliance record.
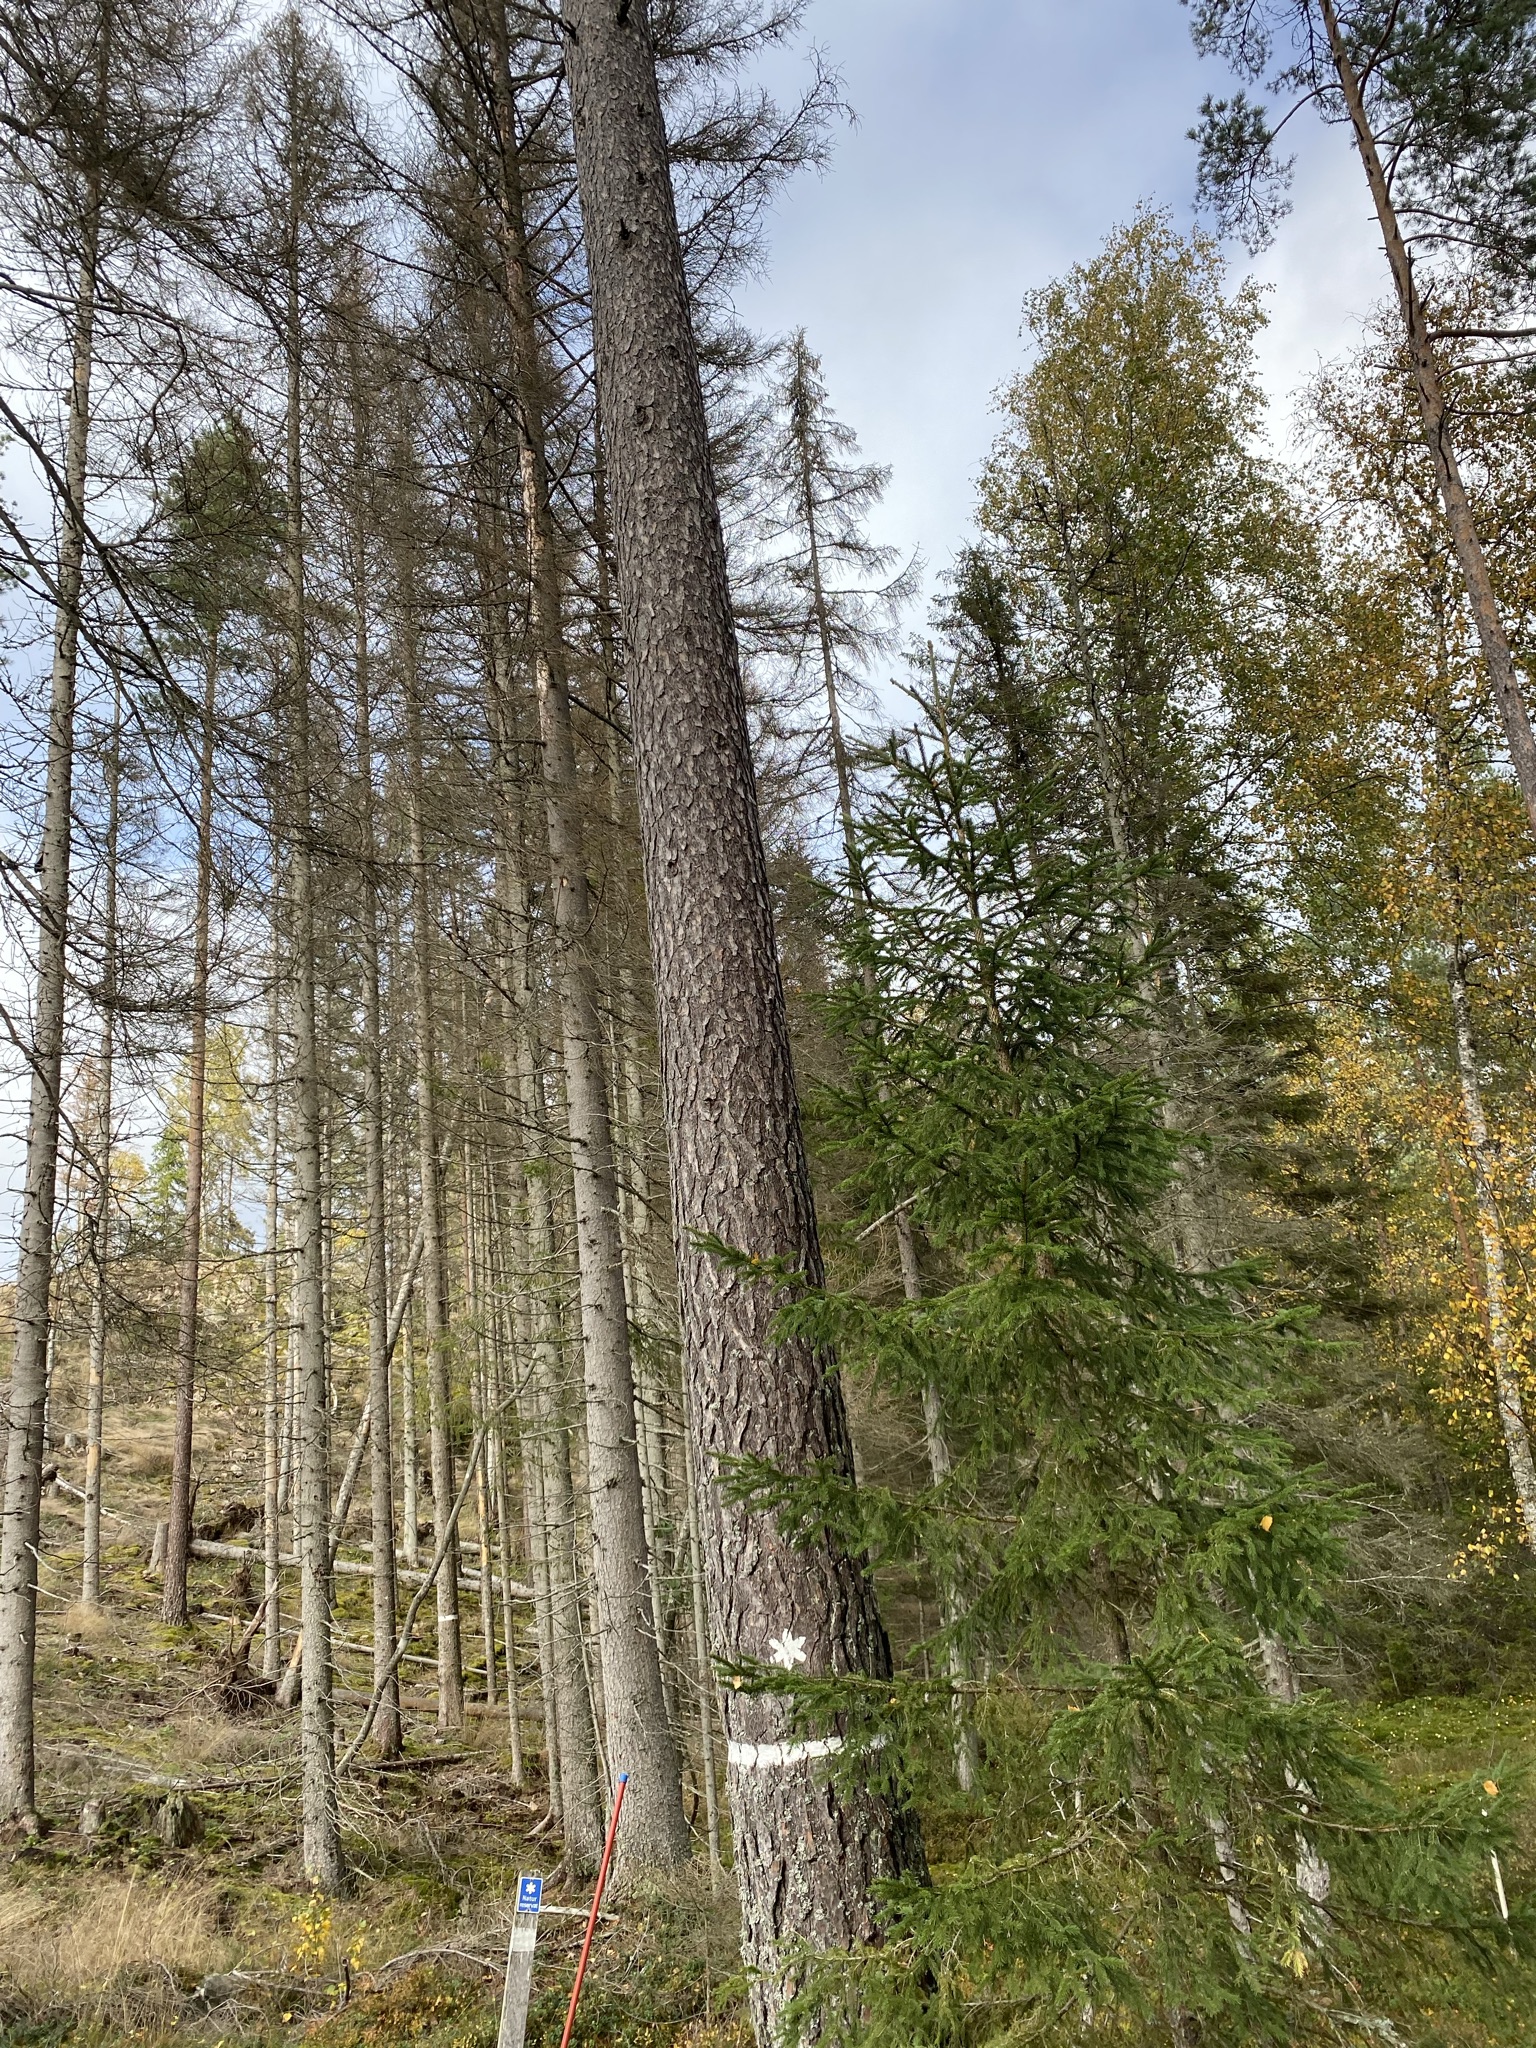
(1159, 1846)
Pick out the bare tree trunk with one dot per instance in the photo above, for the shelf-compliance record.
(738, 1167)
(381, 1492)
(576, 1728)
(575, 1736)
(450, 1664)
(410, 1449)
(569, 1732)
(1492, 635)
(272, 1384)
(639, 1734)
(1490, 1227)
(20, 1518)
(101, 1226)
(496, 1450)
(323, 1863)
(1314, 1879)
(708, 1692)
(173, 1592)
(500, 1358)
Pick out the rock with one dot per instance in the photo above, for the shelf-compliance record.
(92, 1815)
(219, 1988)
(178, 1823)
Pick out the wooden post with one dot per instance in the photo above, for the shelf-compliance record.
(520, 1946)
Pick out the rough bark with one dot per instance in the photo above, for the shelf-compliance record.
(1429, 387)
(639, 1735)
(808, 1851)
(20, 1513)
(173, 1593)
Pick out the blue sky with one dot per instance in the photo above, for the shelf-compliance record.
(995, 143)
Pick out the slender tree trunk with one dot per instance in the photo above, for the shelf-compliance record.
(450, 1664)
(173, 1592)
(323, 1863)
(21, 1512)
(500, 1360)
(101, 1228)
(1481, 1154)
(738, 1166)
(708, 1693)
(410, 1449)
(570, 1735)
(574, 1736)
(639, 1734)
(272, 1379)
(1492, 635)
(469, 1254)
(381, 1493)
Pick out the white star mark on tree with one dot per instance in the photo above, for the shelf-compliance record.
(788, 1650)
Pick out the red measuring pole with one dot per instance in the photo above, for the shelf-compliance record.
(597, 1900)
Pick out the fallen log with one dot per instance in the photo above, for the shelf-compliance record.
(241, 1553)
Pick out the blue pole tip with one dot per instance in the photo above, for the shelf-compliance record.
(623, 1777)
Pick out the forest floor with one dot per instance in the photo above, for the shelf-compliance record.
(114, 1936)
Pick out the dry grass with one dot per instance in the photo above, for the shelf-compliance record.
(90, 1624)
(82, 1943)
(203, 1738)
(146, 1459)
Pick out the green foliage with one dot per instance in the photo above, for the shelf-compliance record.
(221, 521)
(1159, 1835)
(1450, 93)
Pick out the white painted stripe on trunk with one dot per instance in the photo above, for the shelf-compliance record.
(770, 1756)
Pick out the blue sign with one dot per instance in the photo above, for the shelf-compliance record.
(530, 1894)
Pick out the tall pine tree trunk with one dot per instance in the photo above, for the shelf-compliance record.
(21, 1512)
(808, 1853)
(173, 1592)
